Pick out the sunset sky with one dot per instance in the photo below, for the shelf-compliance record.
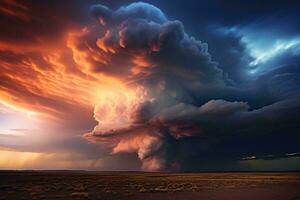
(172, 85)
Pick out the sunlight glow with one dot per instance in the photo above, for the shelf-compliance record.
(38, 160)
(16, 118)
(115, 106)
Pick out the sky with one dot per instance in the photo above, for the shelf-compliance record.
(206, 85)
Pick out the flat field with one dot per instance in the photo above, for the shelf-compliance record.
(67, 185)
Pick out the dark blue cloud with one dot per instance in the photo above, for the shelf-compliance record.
(204, 111)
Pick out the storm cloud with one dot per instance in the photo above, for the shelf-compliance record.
(128, 83)
(173, 127)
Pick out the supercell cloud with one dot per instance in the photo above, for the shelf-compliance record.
(176, 115)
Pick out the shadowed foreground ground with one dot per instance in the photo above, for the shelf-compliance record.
(153, 186)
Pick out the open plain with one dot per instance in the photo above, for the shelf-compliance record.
(67, 185)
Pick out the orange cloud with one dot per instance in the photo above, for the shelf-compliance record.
(15, 9)
(56, 82)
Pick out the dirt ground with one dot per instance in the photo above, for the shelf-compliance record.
(67, 185)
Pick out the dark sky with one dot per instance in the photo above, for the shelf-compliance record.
(155, 85)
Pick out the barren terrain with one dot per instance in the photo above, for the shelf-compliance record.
(69, 185)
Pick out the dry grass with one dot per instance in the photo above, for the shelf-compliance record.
(119, 185)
